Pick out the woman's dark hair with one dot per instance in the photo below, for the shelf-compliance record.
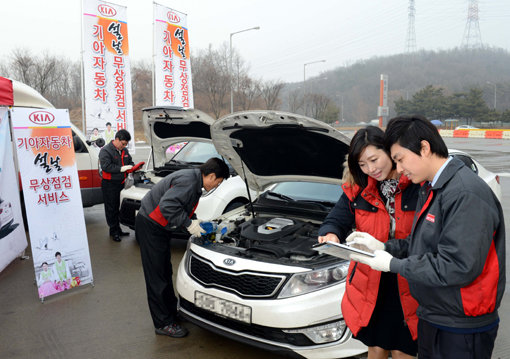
(58, 254)
(216, 166)
(43, 263)
(364, 137)
(409, 131)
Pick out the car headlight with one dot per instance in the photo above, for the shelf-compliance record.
(323, 333)
(302, 283)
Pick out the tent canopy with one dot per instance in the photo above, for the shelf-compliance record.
(6, 92)
(15, 93)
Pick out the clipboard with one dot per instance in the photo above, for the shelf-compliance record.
(340, 250)
(136, 167)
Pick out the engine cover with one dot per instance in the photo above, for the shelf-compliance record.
(280, 237)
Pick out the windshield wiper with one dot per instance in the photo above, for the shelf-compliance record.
(326, 205)
(281, 196)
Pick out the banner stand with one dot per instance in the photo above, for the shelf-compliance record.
(51, 192)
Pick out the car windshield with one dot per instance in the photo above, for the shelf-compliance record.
(309, 191)
(196, 152)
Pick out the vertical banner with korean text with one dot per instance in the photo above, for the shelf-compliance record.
(13, 240)
(172, 66)
(106, 71)
(51, 190)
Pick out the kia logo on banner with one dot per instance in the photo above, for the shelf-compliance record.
(41, 117)
(173, 17)
(106, 10)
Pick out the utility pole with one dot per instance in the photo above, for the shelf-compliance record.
(411, 34)
(472, 36)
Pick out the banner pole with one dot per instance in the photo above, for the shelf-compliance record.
(153, 53)
(82, 74)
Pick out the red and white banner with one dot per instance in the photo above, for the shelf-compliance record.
(172, 66)
(13, 240)
(51, 190)
(106, 70)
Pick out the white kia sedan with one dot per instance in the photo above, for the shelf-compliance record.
(165, 127)
(258, 280)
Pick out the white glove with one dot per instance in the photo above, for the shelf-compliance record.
(125, 168)
(195, 229)
(381, 261)
(365, 239)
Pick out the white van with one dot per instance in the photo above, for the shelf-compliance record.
(87, 155)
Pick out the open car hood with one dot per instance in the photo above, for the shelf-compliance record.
(268, 147)
(164, 126)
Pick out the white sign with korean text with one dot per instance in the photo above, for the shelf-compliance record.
(106, 71)
(172, 66)
(13, 240)
(51, 190)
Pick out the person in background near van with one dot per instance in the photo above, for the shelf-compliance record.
(109, 133)
(168, 206)
(377, 307)
(454, 258)
(115, 160)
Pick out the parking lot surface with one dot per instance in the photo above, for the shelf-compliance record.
(111, 319)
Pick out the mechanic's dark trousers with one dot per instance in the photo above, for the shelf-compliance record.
(154, 243)
(434, 343)
(111, 198)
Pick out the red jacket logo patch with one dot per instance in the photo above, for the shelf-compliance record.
(430, 218)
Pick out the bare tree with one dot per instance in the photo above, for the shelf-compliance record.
(141, 83)
(21, 66)
(55, 78)
(248, 92)
(296, 100)
(318, 103)
(211, 77)
(270, 92)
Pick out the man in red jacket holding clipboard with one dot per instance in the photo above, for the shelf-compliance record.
(115, 162)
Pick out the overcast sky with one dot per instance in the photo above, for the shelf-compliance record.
(292, 32)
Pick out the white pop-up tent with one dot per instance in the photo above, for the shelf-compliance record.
(13, 241)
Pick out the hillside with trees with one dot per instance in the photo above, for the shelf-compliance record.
(458, 83)
(456, 73)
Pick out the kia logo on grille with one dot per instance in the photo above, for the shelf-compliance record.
(41, 117)
(229, 261)
(106, 10)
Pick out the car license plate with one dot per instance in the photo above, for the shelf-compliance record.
(223, 307)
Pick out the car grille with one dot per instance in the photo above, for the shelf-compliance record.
(267, 333)
(244, 284)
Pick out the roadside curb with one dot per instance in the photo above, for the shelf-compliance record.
(497, 134)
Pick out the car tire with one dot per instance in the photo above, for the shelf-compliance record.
(233, 205)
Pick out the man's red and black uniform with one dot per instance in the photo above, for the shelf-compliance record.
(111, 161)
(168, 206)
(454, 261)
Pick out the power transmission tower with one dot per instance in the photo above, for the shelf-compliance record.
(411, 34)
(472, 37)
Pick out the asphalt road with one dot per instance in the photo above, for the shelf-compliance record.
(111, 319)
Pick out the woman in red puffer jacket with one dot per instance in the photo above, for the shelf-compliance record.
(376, 306)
